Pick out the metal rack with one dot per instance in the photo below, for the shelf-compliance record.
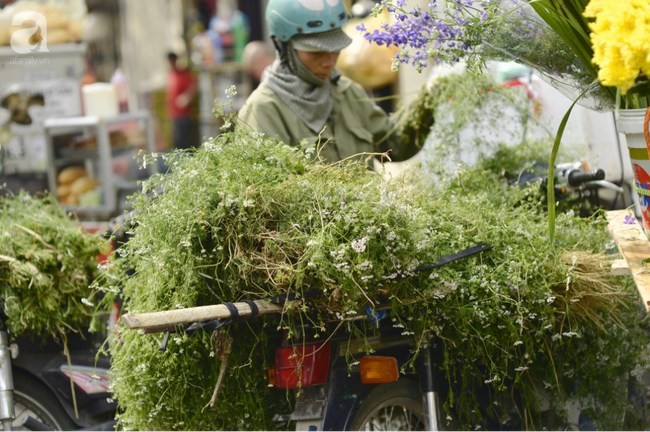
(96, 156)
(213, 81)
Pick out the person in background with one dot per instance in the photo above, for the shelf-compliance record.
(181, 93)
(228, 30)
(257, 56)
(303, 96)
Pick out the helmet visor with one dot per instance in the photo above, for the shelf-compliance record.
(329, 41)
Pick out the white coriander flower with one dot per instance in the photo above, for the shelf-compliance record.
(360, 244)
(87, 302)
(366, 265)
(231, 91)
(493, 379)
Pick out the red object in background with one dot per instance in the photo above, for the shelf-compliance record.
(518, 82)
(305, 365)
(98, 228)
(180, 81)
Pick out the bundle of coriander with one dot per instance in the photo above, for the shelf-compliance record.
(47, 263)
(246, 217)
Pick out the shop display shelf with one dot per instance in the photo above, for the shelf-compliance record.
(82, 153)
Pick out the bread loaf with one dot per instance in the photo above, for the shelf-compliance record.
(83, 184)
(62, 190)
(70, 174)
(69, 200)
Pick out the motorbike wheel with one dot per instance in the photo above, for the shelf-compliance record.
(33, 399)
(392, 407)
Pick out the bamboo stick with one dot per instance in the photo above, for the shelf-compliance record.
(160, 321)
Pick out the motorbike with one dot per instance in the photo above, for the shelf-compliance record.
(366, 392)
(577, 187)
(41, 389)
(391, 389)
(397, 387)
(48, 385)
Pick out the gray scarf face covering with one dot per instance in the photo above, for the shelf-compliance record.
(305, 94)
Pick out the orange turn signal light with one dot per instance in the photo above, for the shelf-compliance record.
(378, 369)
(271, 379)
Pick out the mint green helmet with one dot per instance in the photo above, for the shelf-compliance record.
(288, 18)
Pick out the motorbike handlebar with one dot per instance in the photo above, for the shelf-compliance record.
(576, 178)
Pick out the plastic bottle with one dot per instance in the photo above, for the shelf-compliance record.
(122, 89)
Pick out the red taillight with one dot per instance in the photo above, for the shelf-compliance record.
(301, 365)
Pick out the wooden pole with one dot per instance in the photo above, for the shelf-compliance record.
(152, 322)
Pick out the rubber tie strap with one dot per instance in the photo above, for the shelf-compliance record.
(234, 312)
(255, 311)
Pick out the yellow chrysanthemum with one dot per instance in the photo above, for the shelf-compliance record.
(621, 40)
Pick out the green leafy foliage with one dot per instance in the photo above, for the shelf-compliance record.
(246, 217)
(47, 263)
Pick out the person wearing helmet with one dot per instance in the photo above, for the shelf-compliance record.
(303, 96)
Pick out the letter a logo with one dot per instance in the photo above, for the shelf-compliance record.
(29, 38)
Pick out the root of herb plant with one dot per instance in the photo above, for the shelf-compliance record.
(223, 343)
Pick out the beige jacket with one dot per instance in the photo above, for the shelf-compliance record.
(357, 125)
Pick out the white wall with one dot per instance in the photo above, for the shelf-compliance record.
(149, 29)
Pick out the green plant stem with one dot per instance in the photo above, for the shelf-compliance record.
(550, 186)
